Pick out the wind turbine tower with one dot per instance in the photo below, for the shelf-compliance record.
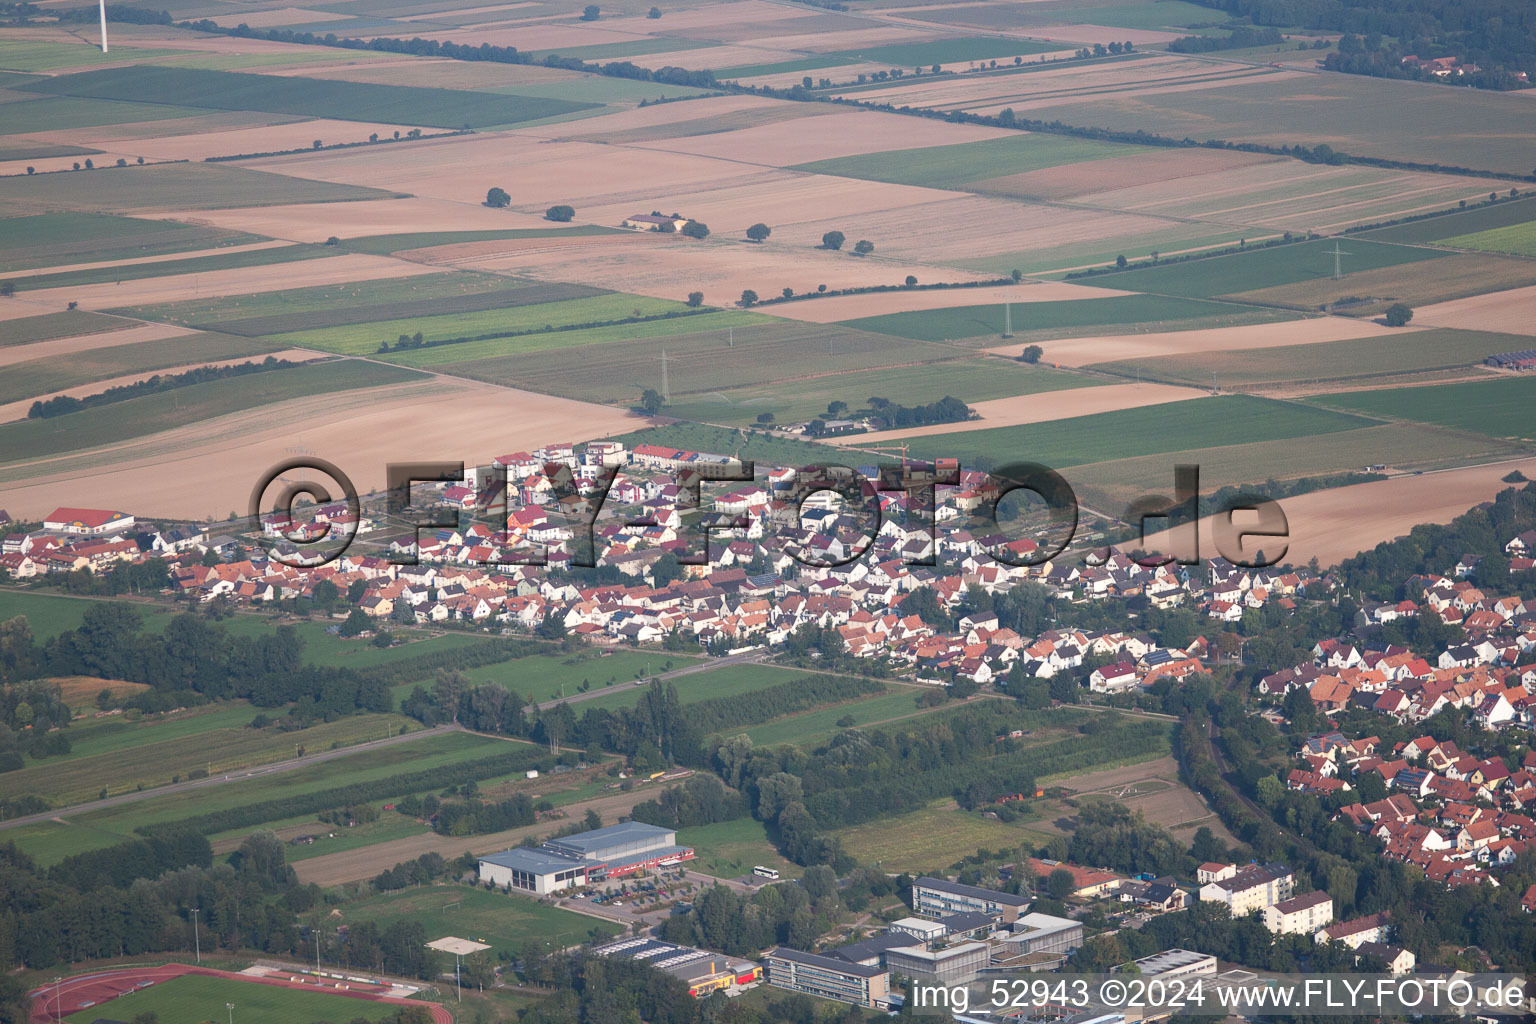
(103, 26)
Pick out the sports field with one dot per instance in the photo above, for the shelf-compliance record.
(194, 999)
(507, 923)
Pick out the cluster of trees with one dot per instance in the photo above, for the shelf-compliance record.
(1498, 34)
(700, 800)
(1111, 836)
(429, 867)
(741, 924)
(1239, 38)
(417, 341)
(64, 404)
(90, 908)
(477, 817)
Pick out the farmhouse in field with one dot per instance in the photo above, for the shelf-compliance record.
(654, 221)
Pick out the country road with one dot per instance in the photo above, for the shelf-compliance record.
(223, 779)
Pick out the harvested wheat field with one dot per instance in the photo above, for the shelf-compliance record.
(18, 410)
(962, 228)
(175, 288)
(262, 139)
(1336, 524)
(721, 270)
(433, 73)
(308, 222)
(852, 307)
(17, 275)
(826, 136)
(1510, 312)
(1115, 347)
(218, 461)
(11, 354)
(1119, 172)
(708, 107)
(558, 36)
(799, 207)
(275, 18)
(1042, 408)
(537, 175)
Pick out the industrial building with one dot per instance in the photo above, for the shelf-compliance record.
(572, 861)
(701, 970)
(1043, 933)
(1172, 963)
(950, 965)
(828, 977)
(937, 897)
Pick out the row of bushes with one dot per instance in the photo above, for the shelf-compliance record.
(62, 405)
(372, 140)
(407, 343)
(246, 815)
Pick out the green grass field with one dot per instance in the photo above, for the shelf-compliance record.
(706, 353)
(1499, 408)
(195, 999)
(904, 55)
(172, 268)
(729, 681)
(350, 295)
(436, 308)
(1176, 426)
(383, 245)
(1408, 352)
(353, 101)
(955, 166)
(1516, 239)
(932, 838)
(766, 449)
(987, 321)
(731, 849)
(1462, 222)
(810, 728)
(1264, 268)
(193, 403)
(54, 113)
(52, 841)
(63, 237)
(42, 55)
(43, 376)
(506, 923)
(548, 677)
(155, 751)
(48, 326)
(970, 380)
(51, 614)
(363, 339)
(189, 186)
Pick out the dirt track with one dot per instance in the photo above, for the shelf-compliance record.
(351, 865)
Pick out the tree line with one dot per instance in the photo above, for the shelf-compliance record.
(63, 405)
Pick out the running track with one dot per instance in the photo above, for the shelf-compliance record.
(50, 1004)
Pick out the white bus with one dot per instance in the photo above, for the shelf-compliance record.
(763, 872)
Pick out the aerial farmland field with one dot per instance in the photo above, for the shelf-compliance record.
(334, 337)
